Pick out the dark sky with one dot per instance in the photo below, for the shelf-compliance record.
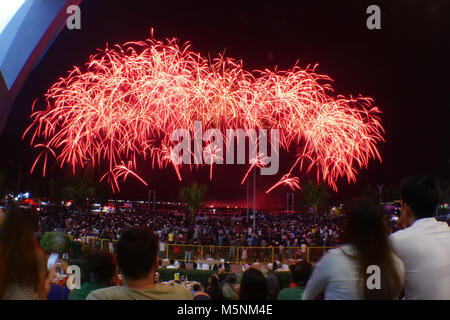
(404, 67)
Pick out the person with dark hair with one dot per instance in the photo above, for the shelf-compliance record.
(253, 285)
(343, 273)
(224, 273)
(300, 273)
(137, 256)
(196, 288)
(23, 263)
(198, 293)
(230, 287)
(171, 264)
(424, 243)
(102, 268)
(273, 286)
(213, 289)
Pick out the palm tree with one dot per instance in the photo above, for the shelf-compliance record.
(79, 190)
(193, 196)
(315, 195)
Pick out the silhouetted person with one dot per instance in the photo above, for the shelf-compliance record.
(424, 243)
(253, 285)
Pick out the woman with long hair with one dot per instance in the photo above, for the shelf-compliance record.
(23, 268)
(364, 267)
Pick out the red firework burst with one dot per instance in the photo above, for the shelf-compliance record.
(127, 101)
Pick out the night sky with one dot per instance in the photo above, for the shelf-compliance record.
(404, 67)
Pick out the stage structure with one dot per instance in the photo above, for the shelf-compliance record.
(27, 30)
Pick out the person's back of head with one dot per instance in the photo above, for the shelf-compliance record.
(102, 267)
(213, 281)
(200, 295)
(214, 290)
(366, 231)
(197, 287)
(300, 272)
(19, 250)
(253, 285)
(137, 253)
(273, 286)
(419, 196)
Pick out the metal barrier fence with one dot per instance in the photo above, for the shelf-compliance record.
(236, 255)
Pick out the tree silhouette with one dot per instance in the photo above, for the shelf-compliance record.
(193, 196)
(315, 196)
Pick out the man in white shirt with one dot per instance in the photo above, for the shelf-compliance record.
(424, 244)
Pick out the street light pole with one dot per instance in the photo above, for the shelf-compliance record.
(289, 202)
(247, 200)
(152, 200)
(254, 200)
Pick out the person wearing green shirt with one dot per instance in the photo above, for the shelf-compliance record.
(300, 273)
(86, 288)
(102, 269)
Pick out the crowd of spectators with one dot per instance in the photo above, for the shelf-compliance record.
(412, 263)
(287, 230)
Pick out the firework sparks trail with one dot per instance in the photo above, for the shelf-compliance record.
(122, 170)
(172, 157)
(45, 153)
(258, 161)
(126, 102)
(292, 183)
(212, 157)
